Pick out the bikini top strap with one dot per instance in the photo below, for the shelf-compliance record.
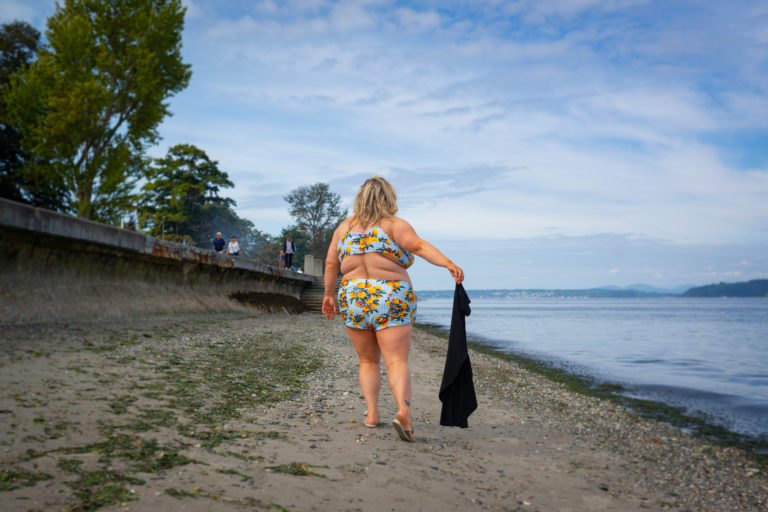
(350, 227)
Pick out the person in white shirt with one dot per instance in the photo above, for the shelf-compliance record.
(233, 249)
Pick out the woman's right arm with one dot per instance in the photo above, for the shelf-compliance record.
(329, 278)
(408, 239)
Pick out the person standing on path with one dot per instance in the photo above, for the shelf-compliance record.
(218, 243)
(373, 249)
(289, 248)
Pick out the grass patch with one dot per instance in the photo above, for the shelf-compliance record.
(241, 456)
(216, 383)
(14, 478)
(97, 489)
(57, 430)
(161, 463)
(145, 455)
(180, 493)
(158, 417)
(298, 469)
(209, 438)
(103, 348)
(234, 472)
(149, 419)
(119, 404)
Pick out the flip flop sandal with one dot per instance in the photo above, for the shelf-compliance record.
(406, 434)
(370, 425)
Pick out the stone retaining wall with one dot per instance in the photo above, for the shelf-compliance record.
(55, 267)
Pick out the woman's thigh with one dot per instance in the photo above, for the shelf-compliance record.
(365, 343)
(394, 343)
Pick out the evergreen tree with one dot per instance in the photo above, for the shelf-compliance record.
(181, 196)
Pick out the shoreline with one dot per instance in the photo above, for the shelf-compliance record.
(258, 410)
(756, 446)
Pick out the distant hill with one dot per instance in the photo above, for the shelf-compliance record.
(592, 293)
(677, 290)
(754, 288)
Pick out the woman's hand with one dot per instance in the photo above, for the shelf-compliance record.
(456, 272)
(329, 307)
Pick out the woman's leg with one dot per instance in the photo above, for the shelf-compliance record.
(364, 341)
(395, 343)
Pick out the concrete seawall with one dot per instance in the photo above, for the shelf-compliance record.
(55, 267)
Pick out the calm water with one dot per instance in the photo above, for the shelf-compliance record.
(709, 356)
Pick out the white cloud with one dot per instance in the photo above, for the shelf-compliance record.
(537, 11)
(193, 9)
(350, 16)
(34, 12)
(13, 10)
(412, 20)
(668, 109)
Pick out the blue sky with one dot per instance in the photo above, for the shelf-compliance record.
(563, 143)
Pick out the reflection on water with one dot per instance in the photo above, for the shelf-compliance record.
(707, 355)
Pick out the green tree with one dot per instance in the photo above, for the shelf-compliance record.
(182, 195)
(18, 46)
(91, 103)
(317, 212)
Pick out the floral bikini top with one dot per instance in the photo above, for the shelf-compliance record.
(373, 239)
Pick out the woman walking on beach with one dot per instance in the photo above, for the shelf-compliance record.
(374, 248)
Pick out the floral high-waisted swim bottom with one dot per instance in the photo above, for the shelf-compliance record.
(376, 303)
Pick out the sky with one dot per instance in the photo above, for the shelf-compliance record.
(537, 143)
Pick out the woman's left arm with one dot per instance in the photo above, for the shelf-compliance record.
(407, 238)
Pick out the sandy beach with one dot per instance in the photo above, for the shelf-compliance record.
(248, 410)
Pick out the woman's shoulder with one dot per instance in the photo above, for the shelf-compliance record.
(398, 228)
(398, 223)
(344, 225)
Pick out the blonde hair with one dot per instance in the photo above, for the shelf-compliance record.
(375, 200)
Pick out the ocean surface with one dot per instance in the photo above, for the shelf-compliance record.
(708, 356)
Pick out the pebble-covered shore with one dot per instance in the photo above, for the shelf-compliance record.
(258, 411)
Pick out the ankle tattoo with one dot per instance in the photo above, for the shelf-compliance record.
(407, 403)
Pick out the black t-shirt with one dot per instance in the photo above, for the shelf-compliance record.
(457, 391)
(218, 244)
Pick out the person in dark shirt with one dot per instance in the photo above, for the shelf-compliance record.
(289, 247)
(219, 243)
